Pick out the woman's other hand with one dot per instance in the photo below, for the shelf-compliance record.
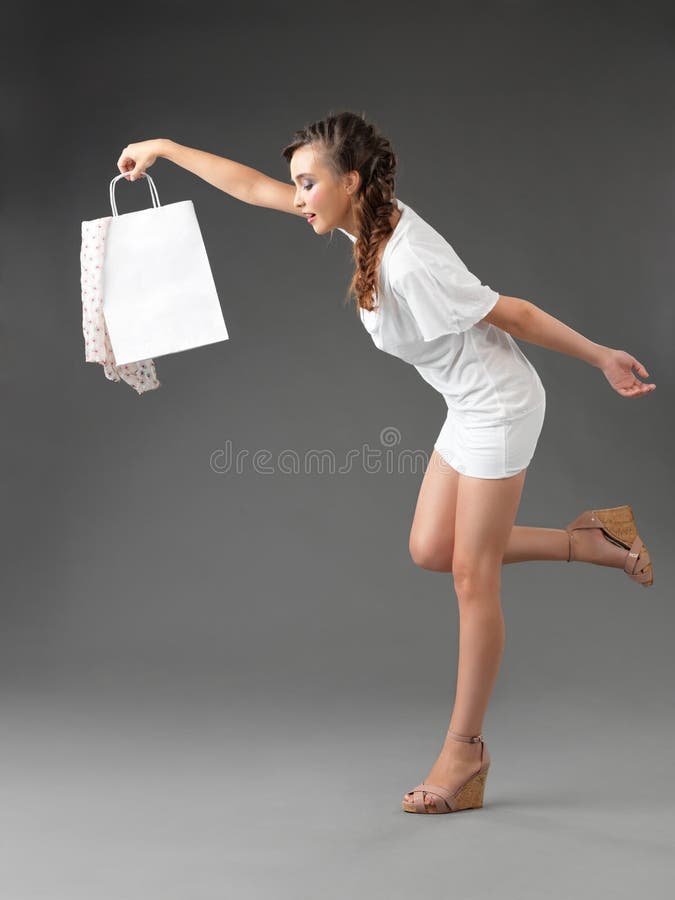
(618, 370)
(136, 158)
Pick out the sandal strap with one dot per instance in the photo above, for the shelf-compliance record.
(633, 556)
(441, 792)
(638, 553)
(570, 535)
(469, 739)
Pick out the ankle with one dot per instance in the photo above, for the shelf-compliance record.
(461, 749)
(464, 737)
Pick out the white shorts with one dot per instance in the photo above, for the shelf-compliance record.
(490, 450)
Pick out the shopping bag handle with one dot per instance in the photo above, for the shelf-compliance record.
(151, 184)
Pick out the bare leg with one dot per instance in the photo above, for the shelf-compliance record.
(432, 536)
(527, 543)
(485, 512)
(590, 546)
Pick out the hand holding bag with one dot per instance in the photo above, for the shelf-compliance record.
(159, 295)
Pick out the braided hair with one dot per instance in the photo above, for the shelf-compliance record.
(345, 142)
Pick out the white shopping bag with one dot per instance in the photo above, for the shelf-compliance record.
(159, 296)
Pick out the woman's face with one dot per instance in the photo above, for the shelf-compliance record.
(317, 192)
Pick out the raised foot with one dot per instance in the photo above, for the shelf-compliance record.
(591, 545)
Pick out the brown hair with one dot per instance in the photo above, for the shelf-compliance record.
(346, 142)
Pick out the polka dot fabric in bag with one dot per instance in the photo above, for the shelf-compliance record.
(141, 375)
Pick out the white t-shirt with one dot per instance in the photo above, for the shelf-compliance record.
(429, 315)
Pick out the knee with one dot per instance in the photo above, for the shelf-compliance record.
(427, 554)
(476, 577)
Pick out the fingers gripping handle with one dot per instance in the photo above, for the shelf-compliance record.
(151, 184)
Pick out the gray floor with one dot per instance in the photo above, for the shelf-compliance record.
(119, 789)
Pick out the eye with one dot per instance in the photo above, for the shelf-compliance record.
(308, 185)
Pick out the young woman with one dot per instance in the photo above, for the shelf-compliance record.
(420, 303)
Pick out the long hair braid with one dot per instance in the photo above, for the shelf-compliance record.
(345, 142)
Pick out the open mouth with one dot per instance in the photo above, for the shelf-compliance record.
(310, 217)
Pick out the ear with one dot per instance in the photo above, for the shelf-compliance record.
(351, 181)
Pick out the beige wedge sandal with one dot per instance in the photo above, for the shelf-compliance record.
(468, 796)
(618, 526)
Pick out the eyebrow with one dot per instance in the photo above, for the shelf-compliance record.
(302, 175)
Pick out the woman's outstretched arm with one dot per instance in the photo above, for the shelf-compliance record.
(234, 178)
(526, 321)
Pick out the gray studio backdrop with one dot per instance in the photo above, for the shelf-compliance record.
(219, 682)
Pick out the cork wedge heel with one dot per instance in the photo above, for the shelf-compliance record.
(468, 796)
(618, 526)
